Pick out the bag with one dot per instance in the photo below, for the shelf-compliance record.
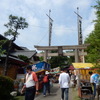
(45, 79)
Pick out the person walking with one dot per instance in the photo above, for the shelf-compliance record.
(31, 84)
(64, 80)
(46, 83)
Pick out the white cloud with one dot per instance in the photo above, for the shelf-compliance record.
(59, 2)
(33, 21)
(65, 21)
(88, 23)
(88, 30)
(39, 3)
(82, 4)
(46, 2)
(92, 15)
(61, 30)
(4, 4)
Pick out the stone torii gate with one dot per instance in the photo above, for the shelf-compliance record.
(78, 51)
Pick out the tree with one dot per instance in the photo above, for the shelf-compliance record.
(59, 61)
(15, 23)
(93, 39)
(41, 58)
(1, 44)
(24, 58)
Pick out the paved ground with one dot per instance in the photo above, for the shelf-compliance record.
(56, 94)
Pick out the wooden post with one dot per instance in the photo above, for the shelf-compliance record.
(45, 55)
(76, 56)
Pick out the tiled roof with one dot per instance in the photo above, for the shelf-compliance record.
(13, 45)
(14, 59)
(28, 53)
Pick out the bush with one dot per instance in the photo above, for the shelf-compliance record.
(6, 87)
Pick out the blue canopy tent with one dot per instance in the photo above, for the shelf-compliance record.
(41, 66)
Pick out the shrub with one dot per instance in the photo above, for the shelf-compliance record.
(6, 87)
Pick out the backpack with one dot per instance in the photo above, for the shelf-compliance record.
(45, 79)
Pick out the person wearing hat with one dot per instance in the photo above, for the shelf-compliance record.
(46, 83)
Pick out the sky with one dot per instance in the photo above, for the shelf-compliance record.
(64, 30)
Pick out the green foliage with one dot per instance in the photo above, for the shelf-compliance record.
(59, 61)
(19, 98)
(24, 58)
(6, 87)
(94, 40)
(1, 44)
(14, 24)
(41, 58)
(1, 51)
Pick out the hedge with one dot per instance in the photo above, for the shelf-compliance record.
(6, 87)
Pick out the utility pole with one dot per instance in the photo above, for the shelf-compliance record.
(50, 32)
(80, 38)
(79, 24)
(50, 27)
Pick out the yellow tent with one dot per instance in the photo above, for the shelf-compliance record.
(83, 69)
(82, 65)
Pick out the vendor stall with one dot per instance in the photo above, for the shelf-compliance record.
(40, 69)
(41, 66)
(55, 74)
(82, 73)
(82, 69)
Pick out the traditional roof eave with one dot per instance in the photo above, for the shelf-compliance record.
(15, 60)
(28, 53)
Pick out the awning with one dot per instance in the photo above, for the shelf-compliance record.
(41, 66)
(83, 65)
(54, 72)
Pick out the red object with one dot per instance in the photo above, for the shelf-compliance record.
(45, 79)
(71, 67)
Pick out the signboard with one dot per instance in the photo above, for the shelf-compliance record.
(40, 66)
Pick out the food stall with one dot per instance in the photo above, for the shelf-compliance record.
(82, 69)
(82, 73)
(55, 74)
(40, 69)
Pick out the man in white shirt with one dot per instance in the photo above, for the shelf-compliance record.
(31, 84)
(64, 80)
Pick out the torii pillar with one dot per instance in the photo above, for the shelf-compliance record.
(45, 55)
(76, 56)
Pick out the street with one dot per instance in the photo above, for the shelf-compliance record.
(56, 94)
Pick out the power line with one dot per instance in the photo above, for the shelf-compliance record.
(55, 28)
(42, 38)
